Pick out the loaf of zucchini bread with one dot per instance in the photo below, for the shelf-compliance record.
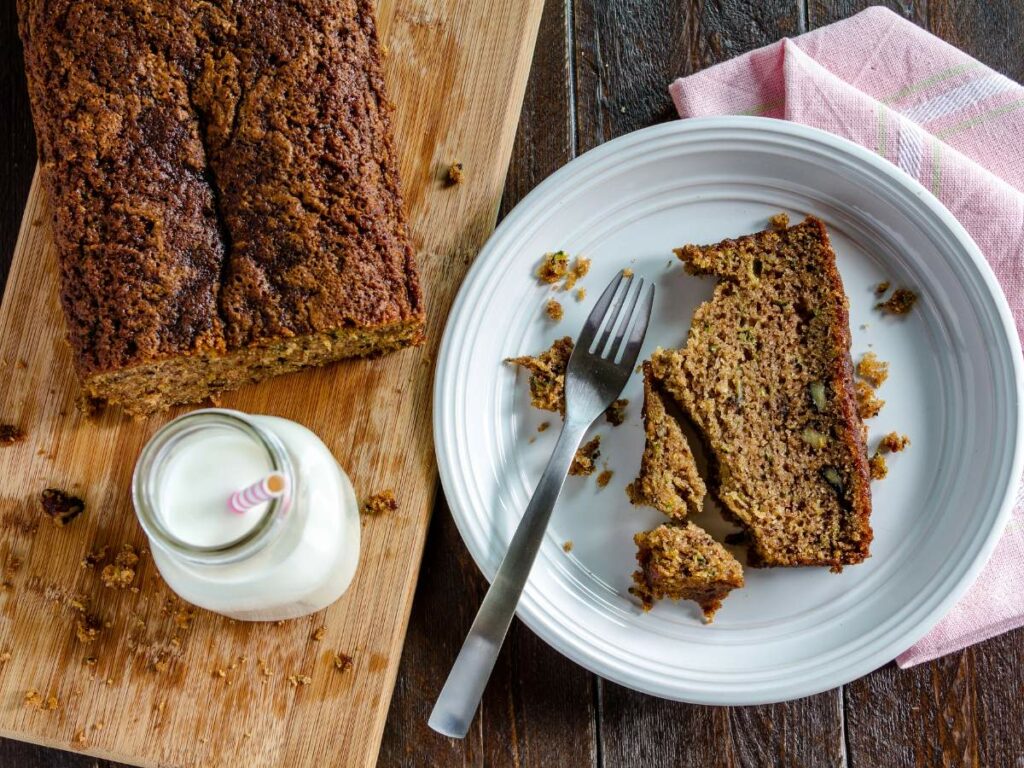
(224, 189)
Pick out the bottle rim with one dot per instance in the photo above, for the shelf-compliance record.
(154, 455)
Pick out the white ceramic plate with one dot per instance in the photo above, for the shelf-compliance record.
(954, 388)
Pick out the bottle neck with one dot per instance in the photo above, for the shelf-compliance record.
(155, 479)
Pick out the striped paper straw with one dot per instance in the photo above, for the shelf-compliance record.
(270, 487)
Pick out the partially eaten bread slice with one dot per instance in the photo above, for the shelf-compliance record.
(668, 479)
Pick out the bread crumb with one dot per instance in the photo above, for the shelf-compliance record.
(5, 657)
(900, 303)
(79, 603)
(319, 634)
(342, 662)
(567, 545)
(264, 669)
(627, 272)
(90, 661)
(61, 507)
(296, 680)
(554, 310)
(616, 413)
(10, 434)
(380, 503)
(553, 267)
(87, 628)
(11, 567)
(882, 287)
(779, 221)
(121, 573)
(873, 370)
(543, 426)
(33, 698)
(893, 443)
(878, 467)
(581, 294)
(183, 618)
(220, 673)
(80, 737)
(20, 364)
(456, 174)
(583, 463)
(579, 270)
(547, 374)
(604, 478)
(868, 405)
(94, 557)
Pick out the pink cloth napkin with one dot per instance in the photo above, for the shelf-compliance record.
(955, 126)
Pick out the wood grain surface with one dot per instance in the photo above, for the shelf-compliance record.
(600, 70)
(167, 685)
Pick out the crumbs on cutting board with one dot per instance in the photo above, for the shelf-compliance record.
(121, 573)
(456, 174)
(61, 507)
(10, 434)
(298, 680)
(380, 503)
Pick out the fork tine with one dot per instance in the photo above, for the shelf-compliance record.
(627, 318)
(636, 337)
(593, 323)
(612, 316)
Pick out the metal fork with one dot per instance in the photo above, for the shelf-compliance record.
(594, 377)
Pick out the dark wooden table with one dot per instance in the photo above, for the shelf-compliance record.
(601, 70)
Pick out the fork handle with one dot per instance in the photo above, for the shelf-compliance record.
(461, 694)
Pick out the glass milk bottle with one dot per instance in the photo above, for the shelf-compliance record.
(247, 516)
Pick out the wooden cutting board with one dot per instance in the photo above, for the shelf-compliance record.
(161, 685)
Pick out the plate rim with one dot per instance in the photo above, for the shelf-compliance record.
(998, 308)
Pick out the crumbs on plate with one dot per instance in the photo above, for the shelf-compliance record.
(583, 463)
(554, 310)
